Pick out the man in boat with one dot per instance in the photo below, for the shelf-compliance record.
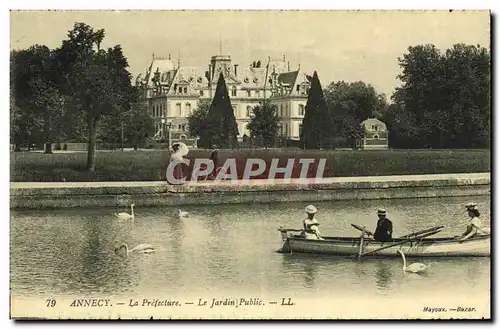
(474, 226)
(311, 230)
(383, 232)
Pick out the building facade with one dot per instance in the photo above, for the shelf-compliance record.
(376, 135)
(173, 92)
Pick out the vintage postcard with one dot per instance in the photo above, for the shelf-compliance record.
(250, 164)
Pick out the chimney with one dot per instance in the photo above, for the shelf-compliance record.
(210, 72)
(235, 69)
(284, 58)
(288, 66)
(169, 57)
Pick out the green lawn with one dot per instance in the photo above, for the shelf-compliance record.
(151, 165)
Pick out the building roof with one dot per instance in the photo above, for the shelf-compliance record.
(157, 65)
(372, 121)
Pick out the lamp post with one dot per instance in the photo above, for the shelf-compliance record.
(169, 126)
(162, 129)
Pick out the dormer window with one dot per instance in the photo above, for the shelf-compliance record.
(249, 93)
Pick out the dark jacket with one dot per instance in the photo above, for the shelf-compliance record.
(383, 232)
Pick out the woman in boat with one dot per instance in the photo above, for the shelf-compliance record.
(383, 232)
(474, 226)
(311, 230)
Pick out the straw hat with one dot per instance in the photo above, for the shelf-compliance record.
(471, 206)
(381, 211)
(310, 209)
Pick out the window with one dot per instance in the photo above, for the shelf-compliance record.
(375, 136)
(201, 92)
(257, 93)
(301, 109)
(233, 93)
(300, 129)
(188, 108)
(185, 90)
(298, 88)
(178, 109)
(180, 90)
(281, 110)
(249, 111)
(235, 109)
(249, 93)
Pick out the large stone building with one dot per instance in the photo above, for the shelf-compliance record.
(173, 91)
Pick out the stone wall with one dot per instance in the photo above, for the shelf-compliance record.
(102, 194)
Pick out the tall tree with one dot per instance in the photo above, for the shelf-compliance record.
(37, 104)
(198, 123)
(349, 104)
(446, 96)
(316, 124)
(264, 125)
(96, 79)
(221, 119)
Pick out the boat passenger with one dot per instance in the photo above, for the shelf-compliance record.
(383, 232)
(311, 230)
(474, 226)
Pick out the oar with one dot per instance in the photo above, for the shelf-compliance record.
(428, 230)
(361, 242)
(362, 229)
(400, 242)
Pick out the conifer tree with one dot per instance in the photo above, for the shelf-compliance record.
(316, 125)
(222, 122)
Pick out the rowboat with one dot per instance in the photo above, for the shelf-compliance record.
(294, 241)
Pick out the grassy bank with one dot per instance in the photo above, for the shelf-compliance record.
(151, 165)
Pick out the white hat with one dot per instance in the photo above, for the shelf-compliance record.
(471, 205)
(381, 211)
(310, 209)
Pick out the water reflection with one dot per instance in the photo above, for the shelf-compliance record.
(384, 274)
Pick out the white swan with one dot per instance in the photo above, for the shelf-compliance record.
(415, 267)
(143, 248)
(182, 214)
(124, 215)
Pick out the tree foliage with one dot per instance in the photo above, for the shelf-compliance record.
(444, 98)
(95, 79)
(198, 123)
(316, 125)
(136, 123)
(36, 103)
(264, 125)
(222, 127)
(349, 104)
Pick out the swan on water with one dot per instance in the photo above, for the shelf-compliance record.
(182, 214)
(413, 268)
(143, 248)
(124, 215)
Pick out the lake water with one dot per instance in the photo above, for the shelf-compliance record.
(231, 248)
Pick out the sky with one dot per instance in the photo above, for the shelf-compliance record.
(339, 45)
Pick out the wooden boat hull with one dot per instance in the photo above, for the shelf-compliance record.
(349, 246)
